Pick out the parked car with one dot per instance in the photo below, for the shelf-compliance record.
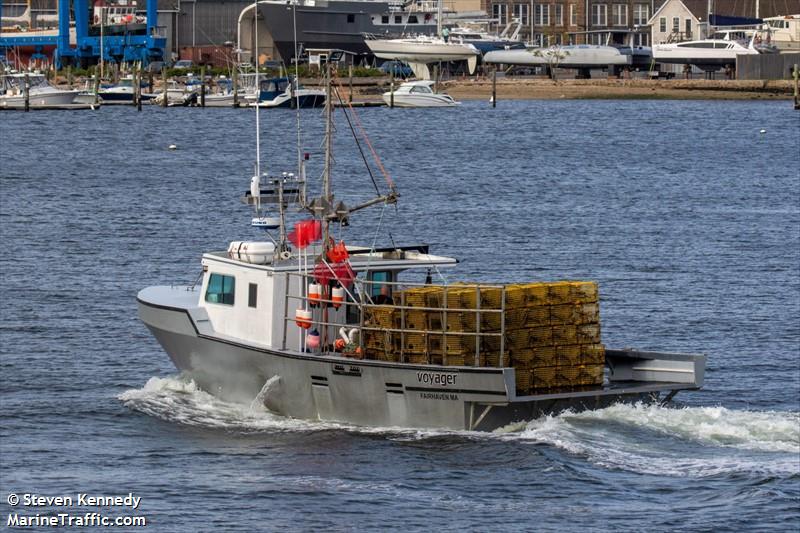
(398, 68)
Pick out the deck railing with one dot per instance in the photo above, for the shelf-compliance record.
(358, 296)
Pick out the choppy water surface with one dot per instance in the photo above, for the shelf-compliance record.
(687, 216)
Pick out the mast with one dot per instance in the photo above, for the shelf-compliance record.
(258, 93)
(326, 174)
(439, 18)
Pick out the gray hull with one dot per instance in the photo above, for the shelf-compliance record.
(368, 393)
(336, 25)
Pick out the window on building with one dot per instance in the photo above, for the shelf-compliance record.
(676, 24)
(541, 14)
(687, 28)
(641, 14)
(538, 38)
(252, 295)
(558, 15)
(384, 19)
(662, 24)
(351, 18)
(220, 289)
(412, 19)
(398, 19)
(500, 13)
(573, 15)
(521, 13)
(599, 15)
(619, 14)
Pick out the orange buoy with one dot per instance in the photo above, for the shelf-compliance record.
(337, 297)
(314, 293)
(302, 318)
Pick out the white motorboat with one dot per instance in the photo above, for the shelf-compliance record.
(40, 93)
(419, 94)
(314, 329)
(422, 51)
(717, 51)
(122, 92)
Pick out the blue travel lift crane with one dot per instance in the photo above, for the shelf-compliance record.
(144, 48)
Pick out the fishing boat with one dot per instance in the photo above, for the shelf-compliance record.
(418, 94)
(318, 329)
(40, 93)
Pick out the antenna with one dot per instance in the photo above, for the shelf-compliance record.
(258, 92)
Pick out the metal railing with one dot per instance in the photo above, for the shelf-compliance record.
(359, 297)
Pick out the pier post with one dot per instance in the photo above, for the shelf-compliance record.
(164, 82)
(69, 76)
(202, 86)
(796, 76)
(137, 88)
(235, 86)
(350, 76)
(26, 93)
(436, 78)
(96, 88)
(494, 87)
(391, 88)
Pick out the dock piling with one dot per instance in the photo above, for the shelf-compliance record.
(391, 89)
(350, 77)
(202, 86)
(164, 82)
(235, 87)
(96, 88)
(796, 76)
(494, 87)
(137, 87)
(26, 93)
(436, 78)
(69, 76)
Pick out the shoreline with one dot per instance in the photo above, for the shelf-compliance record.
(541, 89)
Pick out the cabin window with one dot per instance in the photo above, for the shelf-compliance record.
(379, 279)
(220, 289)
(351, 18)
(384, 19)
(252, 295)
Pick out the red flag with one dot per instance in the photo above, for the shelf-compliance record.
(305, 232)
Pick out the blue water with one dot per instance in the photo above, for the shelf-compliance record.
(684, 212)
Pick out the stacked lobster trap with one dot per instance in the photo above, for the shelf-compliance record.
(549, 332)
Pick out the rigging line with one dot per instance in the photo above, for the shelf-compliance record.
(386, 175)
(358, 144)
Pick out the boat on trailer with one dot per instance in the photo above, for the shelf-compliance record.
(321, 330)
